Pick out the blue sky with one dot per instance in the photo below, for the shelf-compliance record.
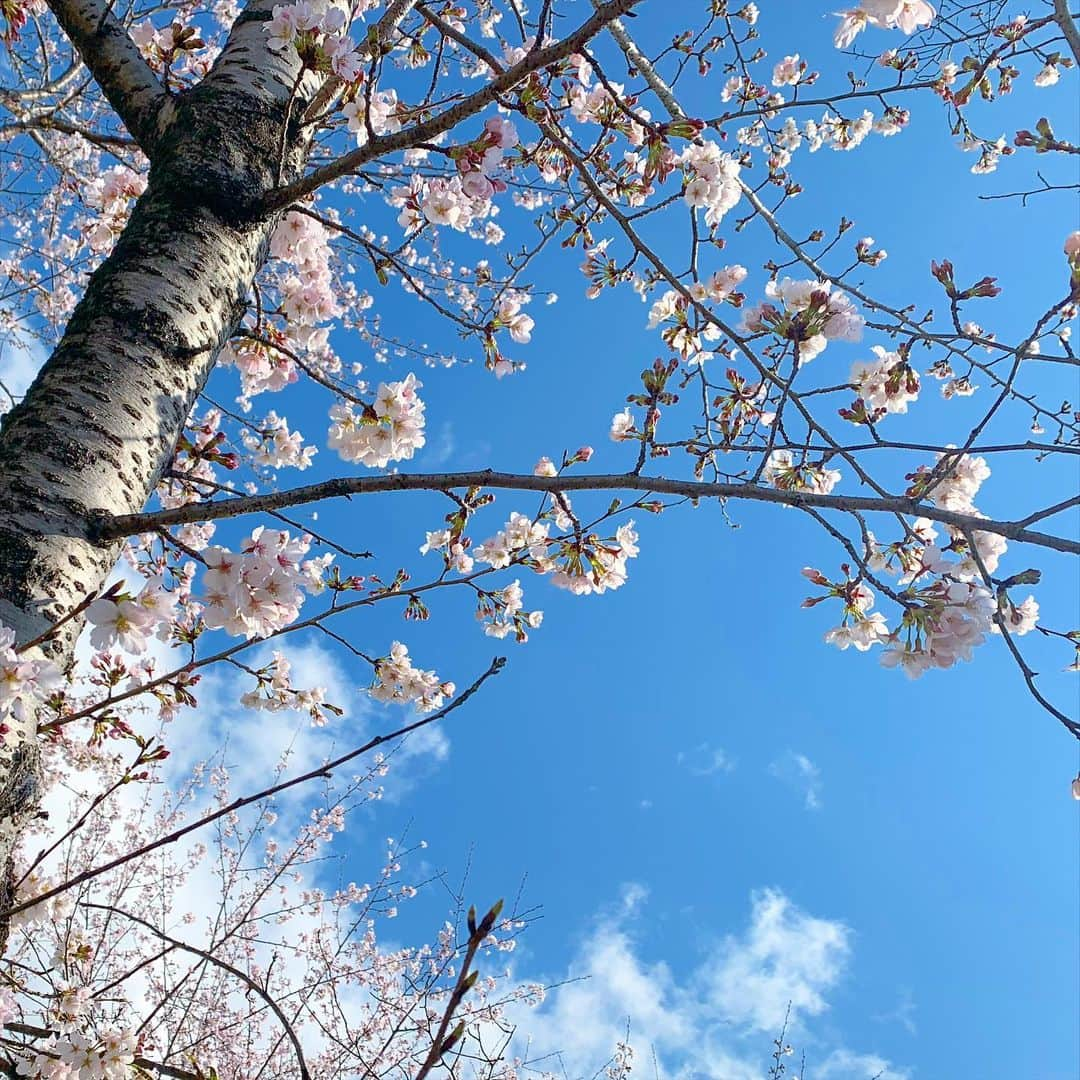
(684, 777)
(690, 734)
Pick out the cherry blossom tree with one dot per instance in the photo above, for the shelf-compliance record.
(203, 201)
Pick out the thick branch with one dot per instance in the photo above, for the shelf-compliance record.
(117, 66)
(1068, 27)
(48, 122)
(449, 118)
(115, 528)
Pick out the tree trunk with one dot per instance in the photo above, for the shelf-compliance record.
(102, 419)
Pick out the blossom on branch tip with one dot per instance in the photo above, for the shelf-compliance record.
(904, 15)
(622, 426)
(390, 430)
(396, 680)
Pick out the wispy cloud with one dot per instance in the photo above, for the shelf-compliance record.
(705, 760)
(440, 449)
(799, 772)
(903, 1014)
(846, 1065)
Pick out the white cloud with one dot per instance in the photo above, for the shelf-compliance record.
(785, 956)
(716, 1022)
(799, 772)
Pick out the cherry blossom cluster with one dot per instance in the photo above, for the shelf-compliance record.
(275, 693)
(835, 132)
(580, 564)
(50, 912)
(460, 200)
(511, 318)
(175, 50)
(943, 622)
(378, 113)
(397, 681)
(809, 313)
(25, 683)
(904, 15)
(130, 621)
(192, 473)
(840, 133)
(260, 588)
(672, 312)
(319, 32)
(948, 611)
(595, 565)
(111, 194)
(522, 537)
(885, 385)
(713, 180)
(952, 485)
(262, 367)
(789, 72)
(950, 623)
(438, 201)
(454, 551)
(784, 472)
(273, 446)
(478, 160)
(857, 627)
(503, 613)
(622, 1062)
(598, 104)
(390, 430)
(77, 1056)
(309, 297)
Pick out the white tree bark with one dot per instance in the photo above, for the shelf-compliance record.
(102, 418)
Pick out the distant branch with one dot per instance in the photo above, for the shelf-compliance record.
(322, 771)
